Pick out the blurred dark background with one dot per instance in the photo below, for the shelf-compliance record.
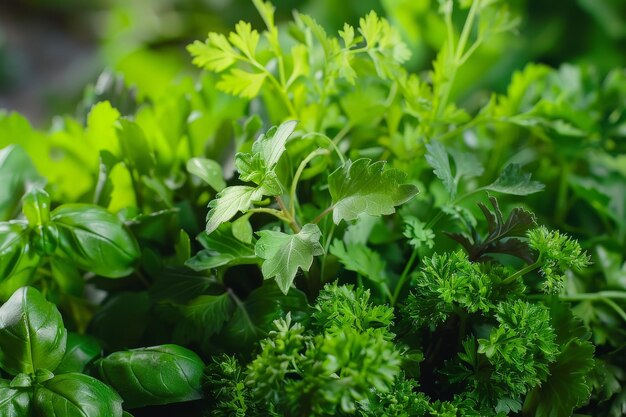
(51, 49)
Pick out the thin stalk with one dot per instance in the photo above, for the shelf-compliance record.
(523, 271)
(404, 276)
(322, 215)
(298, 174)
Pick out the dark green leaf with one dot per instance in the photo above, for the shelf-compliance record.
(121, 322)
(363, 187)
(221, 249)
(96, 240)
(153, 376)
(203, 317)
(14, 402)
(32, 335)
(567, 386)
(17, 172)
(80, 351)
(16, 256)
(76, 395)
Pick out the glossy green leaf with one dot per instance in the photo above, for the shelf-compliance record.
(76, 395)
(152, 376)
(284, 254)
(95, 240)
(17, 172)
(32, 335)
(14, 402)
(122, 320)
(208, 171)
(16, 256)
(80, 351)
(364, 187)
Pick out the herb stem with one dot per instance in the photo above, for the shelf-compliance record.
(298, 174)
(404, 276)
(523, 271)
(322, 214)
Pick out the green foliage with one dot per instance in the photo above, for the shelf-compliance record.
(446, 302)
(177, 378)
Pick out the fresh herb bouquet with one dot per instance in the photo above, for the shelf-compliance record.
(370, 247)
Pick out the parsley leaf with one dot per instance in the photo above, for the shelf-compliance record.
(284, 253)
(365, 187)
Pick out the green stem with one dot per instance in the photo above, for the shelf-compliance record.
(594, 296)
(523, 271)
(322, 215)
(298, 174)
(330, 142)
(290, 219)
(404, 276)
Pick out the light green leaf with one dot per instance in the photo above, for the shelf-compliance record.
(514, 181)
(216, 54)
(284, 253)
(76, 395)
(154, 375)
(271, 145)
(242, 229)
(208, 171)
(242, 83)
(347, 34)
(253, 168)
(32, 335)
(245, 38)
(228, 202)
(364, 187)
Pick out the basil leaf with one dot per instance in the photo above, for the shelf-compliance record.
(80, 351)
(16, 172)
(76, 395)
(32, 335)
(14, 402)
(96, 240)
(153, 376)
(16, 258)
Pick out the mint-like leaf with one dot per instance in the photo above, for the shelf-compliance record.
(228, 202)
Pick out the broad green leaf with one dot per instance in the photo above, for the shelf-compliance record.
(135, 148)
(180, 284)
(208, 171)
(17, 172)
(203, 317)
(567, 387)
(36, 207)
(14, 402)
(221, 248)
(95, 240)
(271, 145)
(228, 202)
(284, 254)
(242, 83)
(363, 187)
(16, 255)
(76, 395)
(32, 335)
(80, 351)
(514, 181)
(153, 376)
